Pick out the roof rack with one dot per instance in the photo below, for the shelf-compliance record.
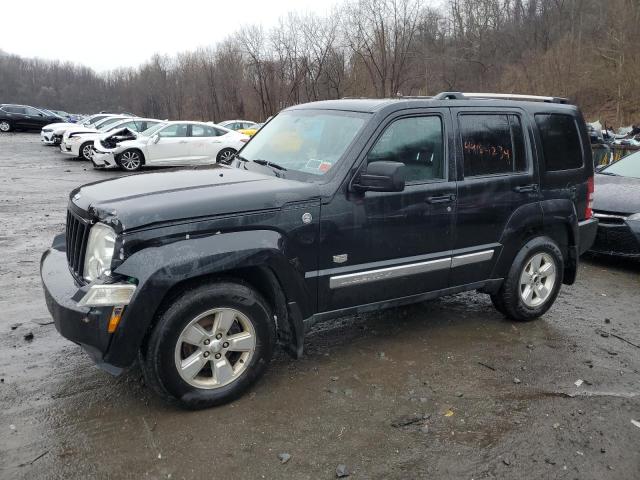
(504, 96)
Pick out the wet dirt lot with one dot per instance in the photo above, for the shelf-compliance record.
(444, 389)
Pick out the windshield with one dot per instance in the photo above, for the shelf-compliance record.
(307, 141)
(93, 119)
(104, 124)
(628, 166)
(150, 131)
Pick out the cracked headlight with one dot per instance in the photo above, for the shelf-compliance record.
(100, 246)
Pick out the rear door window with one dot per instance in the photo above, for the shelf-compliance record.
(561, 144)
(203, 131)
(492, 144)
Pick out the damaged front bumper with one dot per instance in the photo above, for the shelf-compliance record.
(87, 326)
(103, 159)
(618, 235)
(50, 138)
(70, 149)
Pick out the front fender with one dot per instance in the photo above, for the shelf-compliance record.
(159, 269)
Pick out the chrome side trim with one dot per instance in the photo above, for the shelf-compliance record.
(387, 273)
(476, 257)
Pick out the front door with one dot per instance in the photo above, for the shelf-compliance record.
(377, 246)
(35, 119)
(172, 147)
(497, 176)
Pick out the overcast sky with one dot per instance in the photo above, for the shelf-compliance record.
(110, 34)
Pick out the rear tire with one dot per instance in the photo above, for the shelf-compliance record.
(130, 160)
(194, 356)
(533, 282)
(5, 126)
(225, 155)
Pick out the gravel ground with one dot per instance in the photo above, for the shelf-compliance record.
(444, 389)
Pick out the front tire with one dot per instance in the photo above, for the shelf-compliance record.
(225, 155)
(210, 345)
(533, 282)
(85, 150)
(130, 160)
(5, 126)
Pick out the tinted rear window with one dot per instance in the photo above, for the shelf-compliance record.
(560, 141)
(493, 144)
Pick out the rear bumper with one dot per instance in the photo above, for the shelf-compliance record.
(587, 230)
(86, 326)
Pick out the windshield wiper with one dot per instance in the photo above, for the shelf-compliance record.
(270, 164)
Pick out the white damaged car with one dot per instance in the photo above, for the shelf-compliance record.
(168, 144)
(79, 143)
(52, 134)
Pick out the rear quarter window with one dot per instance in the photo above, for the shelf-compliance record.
(561, 144)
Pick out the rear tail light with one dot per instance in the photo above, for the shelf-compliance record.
(588, 213)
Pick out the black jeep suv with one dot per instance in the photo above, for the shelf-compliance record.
(333, 208)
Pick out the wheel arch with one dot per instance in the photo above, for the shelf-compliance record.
(164, 272)
(552, 218)
(137, 149)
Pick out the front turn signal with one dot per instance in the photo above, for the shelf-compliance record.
(116, 316)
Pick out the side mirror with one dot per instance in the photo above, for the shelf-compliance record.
(155, 138)
(381, 177)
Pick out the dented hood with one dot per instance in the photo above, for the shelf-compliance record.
(120, 132)
(154, 199)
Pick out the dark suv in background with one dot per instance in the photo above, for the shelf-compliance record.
(24, 117)
(332, 208)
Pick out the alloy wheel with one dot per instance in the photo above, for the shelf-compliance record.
(537, 279)
(4, 126)
(86, 152)
(215, 348)
(226, 155)
(130, 160)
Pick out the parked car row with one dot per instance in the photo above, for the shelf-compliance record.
(26, 117)
(129, 142)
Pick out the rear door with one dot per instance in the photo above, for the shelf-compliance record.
(18, 116)
(498, 176)
(204, 143)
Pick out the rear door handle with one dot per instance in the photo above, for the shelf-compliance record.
(526, 188)
(441, 198)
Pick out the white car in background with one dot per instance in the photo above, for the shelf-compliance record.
(238, 124)
(52, 134)
(80, 143)
(168, 144)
